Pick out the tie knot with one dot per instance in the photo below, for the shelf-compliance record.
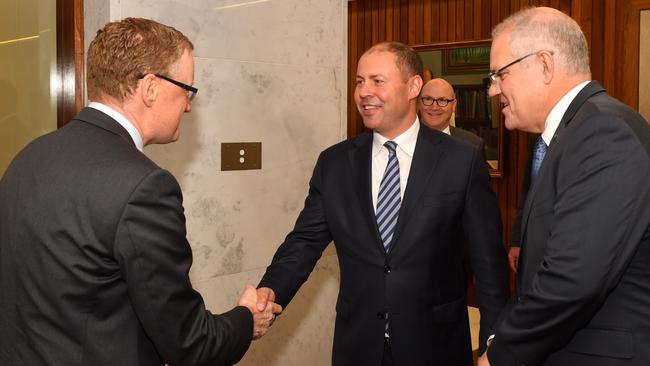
(391, 146)
(540, 146)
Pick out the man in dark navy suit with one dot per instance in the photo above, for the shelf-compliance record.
(94, 261)
(402, 292)
(583, 289)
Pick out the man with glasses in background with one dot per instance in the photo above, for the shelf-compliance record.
(437, 105)
(582, 283)
(93, 255)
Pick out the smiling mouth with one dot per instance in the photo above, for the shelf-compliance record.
(367, 107)
(504, 104)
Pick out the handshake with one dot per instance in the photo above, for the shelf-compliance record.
(261, 303)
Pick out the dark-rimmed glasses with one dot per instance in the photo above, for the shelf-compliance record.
(497, 75)
(191, 91)
(441, 102)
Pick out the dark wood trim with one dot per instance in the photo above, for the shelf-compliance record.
(69, 59)
(625, 63)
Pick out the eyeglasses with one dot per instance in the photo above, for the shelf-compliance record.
(498, 75)
(441, 102)
(191, 91)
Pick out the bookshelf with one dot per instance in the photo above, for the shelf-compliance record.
(478, 113)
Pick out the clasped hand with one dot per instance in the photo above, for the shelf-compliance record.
(263, 316)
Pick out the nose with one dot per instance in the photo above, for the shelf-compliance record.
(364, 90)
(494, 89)
(188, 106)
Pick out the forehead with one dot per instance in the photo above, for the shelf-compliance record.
(377, 62)
(185, 65)
(500, 50)
(434, 88)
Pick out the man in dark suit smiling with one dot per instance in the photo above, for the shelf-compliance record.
(583, 288)
(394, 200)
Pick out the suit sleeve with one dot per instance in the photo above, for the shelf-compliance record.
(482, 226)
(155, 258)
(587, 248)
(296, 257)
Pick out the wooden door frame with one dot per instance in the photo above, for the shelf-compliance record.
(623, 23)
(69, 59)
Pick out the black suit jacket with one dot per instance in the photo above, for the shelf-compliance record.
(584, 288)
(469, 137)
(94, 259)
(420, 283)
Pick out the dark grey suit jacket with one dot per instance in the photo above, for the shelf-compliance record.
(94, 261)
(420, 283)
(583, 285)
(468, 136)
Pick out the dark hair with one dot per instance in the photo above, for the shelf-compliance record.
(407, 60)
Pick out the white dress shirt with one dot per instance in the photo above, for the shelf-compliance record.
(405, 148)
(555, 117)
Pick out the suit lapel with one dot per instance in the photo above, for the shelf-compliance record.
(360, 157)
(587, 92)
(425, 158)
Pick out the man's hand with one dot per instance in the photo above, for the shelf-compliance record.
(264, 295)
(483, 360)
(513, 258)
(263, 317)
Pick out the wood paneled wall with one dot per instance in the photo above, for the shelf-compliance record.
(421, 22)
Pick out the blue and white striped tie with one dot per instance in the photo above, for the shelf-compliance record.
(389, 199)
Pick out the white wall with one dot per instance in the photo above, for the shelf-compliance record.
(271, 71)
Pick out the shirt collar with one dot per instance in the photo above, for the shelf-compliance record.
(123, 121)
(447, 130)
(555, 117)
(405, 142)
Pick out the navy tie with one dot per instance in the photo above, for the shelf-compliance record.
(389, 198)
(538, 157)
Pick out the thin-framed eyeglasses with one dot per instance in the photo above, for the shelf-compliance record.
(191, 91)
(441, 102)
(498, 74)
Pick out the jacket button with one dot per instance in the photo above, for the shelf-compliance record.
(387, 269)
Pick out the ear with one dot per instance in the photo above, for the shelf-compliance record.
(148, 89)
(548, 66)
(415, 86)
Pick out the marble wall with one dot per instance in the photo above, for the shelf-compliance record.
(271, 71)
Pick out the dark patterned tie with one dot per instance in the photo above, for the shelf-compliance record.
(538, 157)
(389, 198)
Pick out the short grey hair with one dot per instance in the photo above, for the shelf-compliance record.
(535, 29)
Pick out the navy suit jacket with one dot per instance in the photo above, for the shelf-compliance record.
(421, 282)
(94, 261)
(584, 269)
